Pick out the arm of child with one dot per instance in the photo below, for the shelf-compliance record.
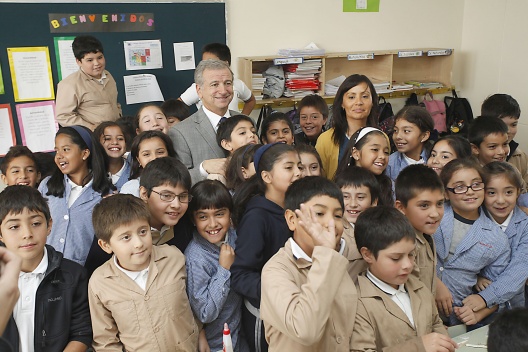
(249, 104)
(105, 332)
(9, 293)
(444, 299)
(203, 345)
(474, 302)
(190, 96)
(470, 317)
(80, 322)
(66, 104)
(482, 283)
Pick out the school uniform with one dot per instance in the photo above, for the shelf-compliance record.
(72, 232)
(308, 305)
(425, 259)
(519, 159)
(124, 176)
(158, 318)
(398, 162)
(356, 263)
(382, 325)
(131, 187)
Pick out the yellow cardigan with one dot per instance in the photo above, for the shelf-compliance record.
(329, 153)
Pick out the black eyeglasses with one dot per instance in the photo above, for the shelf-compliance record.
(169, 196)
(461, 189)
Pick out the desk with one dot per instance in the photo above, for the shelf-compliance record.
(475, 337)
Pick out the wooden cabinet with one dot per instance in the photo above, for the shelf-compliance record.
(393, 66)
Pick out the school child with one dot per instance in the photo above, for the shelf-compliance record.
(88, 96)
(127, 126)
(502, 190)
(114, 142)
(241, 166)
(448, 148)
(261, 229)
(175, 110)
(489, 139)
(138, 298)
(420, 197)
(369, 148)
(277, 127)
(508, 332)
(412, 128)
(208, 258)
(467, 242)
(308, 299)
(506, 108)
(311, 164)
(219, 51)
(52, 311)
(313, 113)
(20, 167)
(150, 117)
(361, 191)
(236, 132)
(147, 146)
(395, 311)
(76, 186)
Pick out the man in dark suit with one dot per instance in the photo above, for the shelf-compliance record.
(194, 138)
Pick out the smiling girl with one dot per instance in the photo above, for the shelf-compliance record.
(446, 149)
(114, 142)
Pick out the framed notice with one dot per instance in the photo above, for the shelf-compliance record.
(37, 125)
(7, 129)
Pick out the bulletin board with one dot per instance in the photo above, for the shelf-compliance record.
(27, 25)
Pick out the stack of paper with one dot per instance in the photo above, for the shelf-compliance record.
(302, 79)
(381, 86)
(332, 85)
(257, 82)
(419, 84)
(402, 86)
(310, 50)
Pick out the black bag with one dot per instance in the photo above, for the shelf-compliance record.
(265, 111)
(385, 110)
(386, 120)
(458, 114)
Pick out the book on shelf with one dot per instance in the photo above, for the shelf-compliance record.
(420, 84)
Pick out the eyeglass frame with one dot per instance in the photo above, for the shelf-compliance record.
(452, 190)
(189, 196)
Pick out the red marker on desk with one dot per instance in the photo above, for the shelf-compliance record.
(228, 344)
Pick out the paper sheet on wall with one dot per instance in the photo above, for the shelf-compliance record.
(184, 56)
(37, 125)
(142, 89)
(66, 63)
(143, 54)
(361, 5)
(7, 129)
(31, 73)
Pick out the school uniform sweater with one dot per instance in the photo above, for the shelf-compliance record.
(397, 162)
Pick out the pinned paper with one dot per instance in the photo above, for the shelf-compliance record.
(184, 56)
(361, 5)
(66, 62)
(142, 89)
(7, 129)
(143, 54)
(37, 125)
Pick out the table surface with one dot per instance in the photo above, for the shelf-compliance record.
(475, 337)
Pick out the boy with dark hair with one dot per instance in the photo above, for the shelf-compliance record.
(308, 299)
(235, 132)
(20, 167)
(420, 197)
(219, 51)
(88, 96)
(489, 139)
(508, 331)
(175, 111)
(395, 310)
(52, 311)
(313, 113)
(137, 298)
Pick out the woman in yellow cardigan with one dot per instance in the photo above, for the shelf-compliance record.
(355, 106)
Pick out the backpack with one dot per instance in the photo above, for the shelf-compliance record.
(458, 114)
(437, 109)
(386, 120)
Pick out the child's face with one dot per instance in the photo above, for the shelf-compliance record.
(284, 172)
(409, 138)
(374, 155)
(151, 118)
(93, 64)
(131, 244)
(70, 159)
(212, 224)
(309, 165)
(512, 123)
(113, 141)
(466, 204)
(311, 121)
(357, 102)
(172, 120)
(21, 171)
(25, 235)
(326, 208)
(500, 198)
(441, 154)
(163, 212)
(243, 134)
(494, 147)
(279, 131)
(424, 211)
(394, 263)
(357, 199)
(150, 149)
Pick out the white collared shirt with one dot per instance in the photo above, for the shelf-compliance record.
(139, 277)
(115, 177)
(506, 222)
(215, 120)
(412, 161)
(99, 80)
(24, 311)
(76, 191)
(300, 254)
(398, 296)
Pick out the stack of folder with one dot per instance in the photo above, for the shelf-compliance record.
(302, 79)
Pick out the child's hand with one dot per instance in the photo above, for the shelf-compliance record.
(203, 346)
(474, 302)
(215, 166)
(227, 256)
(482, 283)
(435, 342)
(466, 315)
(321, 236)
(444, 299)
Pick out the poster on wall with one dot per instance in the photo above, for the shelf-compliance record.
(361, 5)
(184, 56)
(31, 73)
(38, 125)
(7, 129)
(66, 63)
(100, 22)
(143, 54)
(142, 89)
